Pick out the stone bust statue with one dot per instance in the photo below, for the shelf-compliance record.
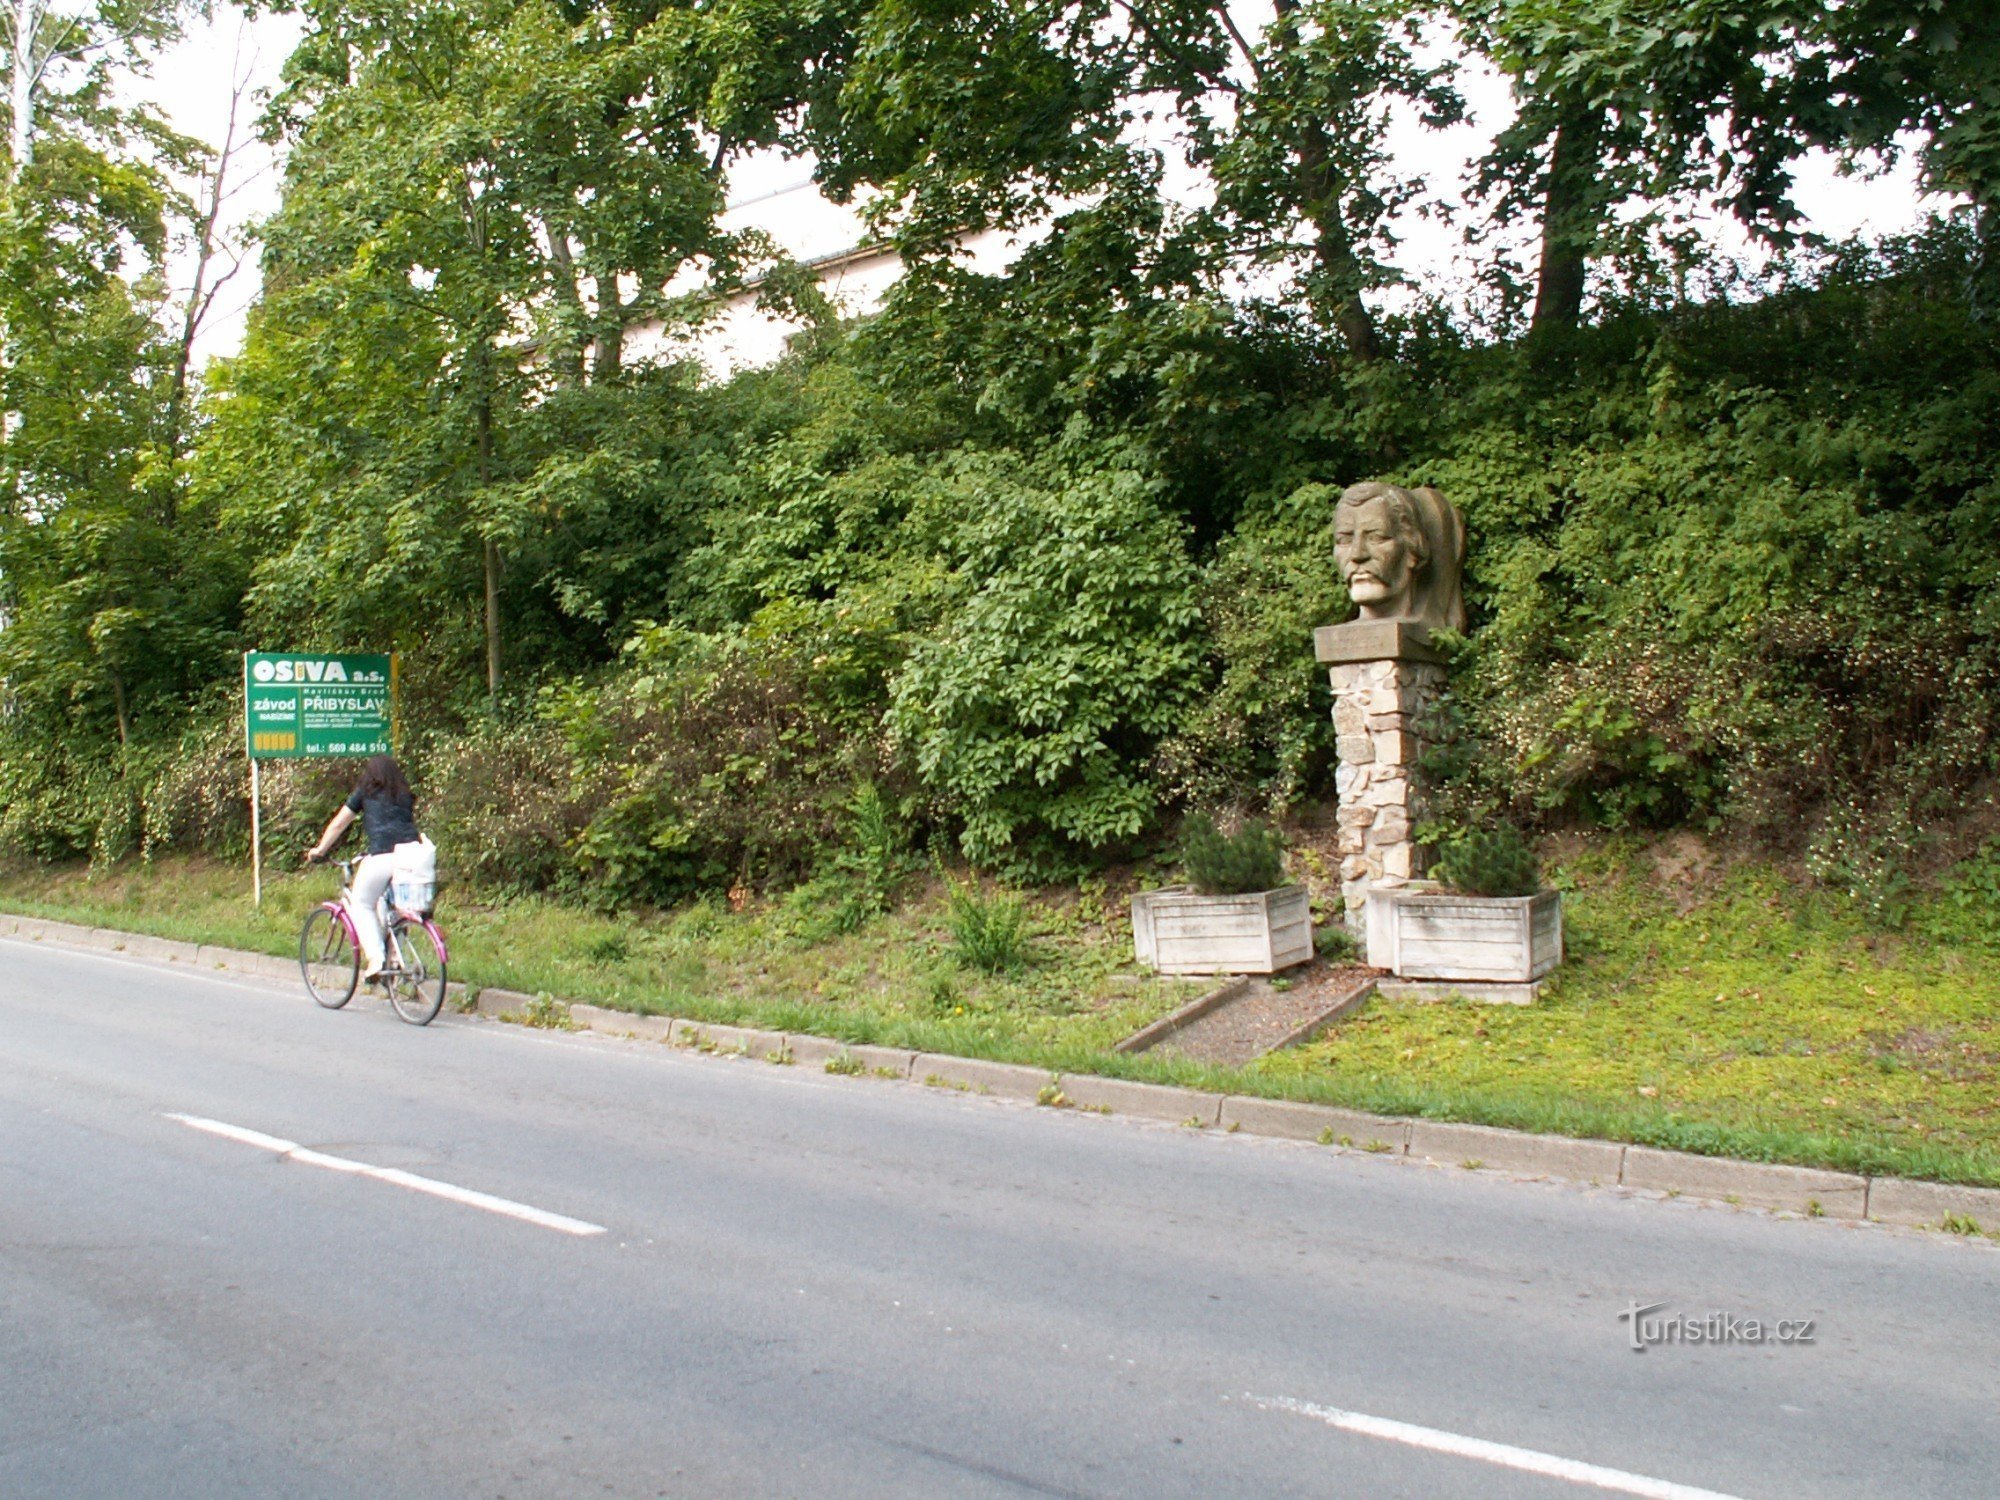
(1401, 554)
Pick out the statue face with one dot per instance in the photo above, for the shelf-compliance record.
(1375, 557)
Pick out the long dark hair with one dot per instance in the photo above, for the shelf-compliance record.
(382, 777)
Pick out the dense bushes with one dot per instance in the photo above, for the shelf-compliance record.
(1065, 651)
(1731, 567)
(706, 761)
(1745, 575)
(184, 787)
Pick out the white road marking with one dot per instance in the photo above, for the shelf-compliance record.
(293, 1151)
(1502, 1454)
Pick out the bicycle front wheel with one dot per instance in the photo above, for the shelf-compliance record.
(417, 991)
(328, 959)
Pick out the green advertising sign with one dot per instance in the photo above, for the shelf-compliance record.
(297, 706)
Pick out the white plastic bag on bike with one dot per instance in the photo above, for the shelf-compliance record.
(413, 877)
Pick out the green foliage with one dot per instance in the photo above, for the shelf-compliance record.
(876, 857)
(1229, 864)
(1334, 943)
(1974, 884)
(1266, 727)
(1066, 651)
(1490, 861)
(989, 934)
(823, 909)
(117, 598)
(1032, 557)
(483, 199)
(504, 800)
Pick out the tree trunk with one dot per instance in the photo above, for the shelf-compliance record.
(21, 135)
(20, 153)
(118, 702)
(1982, 292)
(607, 349)
(492, 548)
(568, 358)
(1569, 222)
(1320, 202)
(1350, 314)
(201, 295)
(492, 617)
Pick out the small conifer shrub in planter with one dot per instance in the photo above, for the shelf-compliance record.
(1485, 919)
(1235, 917)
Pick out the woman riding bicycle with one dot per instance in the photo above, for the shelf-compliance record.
(388, 812)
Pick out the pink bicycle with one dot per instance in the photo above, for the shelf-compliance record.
(413, 956)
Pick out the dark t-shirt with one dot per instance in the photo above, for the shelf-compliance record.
(386, 820)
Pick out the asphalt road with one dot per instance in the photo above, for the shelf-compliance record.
(824, 1287)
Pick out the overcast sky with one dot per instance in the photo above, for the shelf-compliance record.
(193, 84)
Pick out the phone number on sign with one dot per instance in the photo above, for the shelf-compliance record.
(358, 747)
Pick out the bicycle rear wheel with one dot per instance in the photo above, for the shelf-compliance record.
(418, 991)
(328, 959)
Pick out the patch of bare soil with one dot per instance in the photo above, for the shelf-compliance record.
(1686, 866)
(1263, 1015)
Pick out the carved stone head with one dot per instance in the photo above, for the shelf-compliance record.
(1401, 554)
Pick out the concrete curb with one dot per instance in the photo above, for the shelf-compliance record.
(1805, 1190)
(843, 1057)
(1902, 1200)
(747, 1041)
(1314, 1122)
(1149, 1101)
(977, 1076)
(1516, 1151)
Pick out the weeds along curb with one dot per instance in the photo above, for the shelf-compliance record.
(1803, 1190)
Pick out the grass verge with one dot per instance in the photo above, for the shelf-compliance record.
(1734, 1014)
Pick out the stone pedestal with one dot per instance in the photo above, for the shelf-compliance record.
(1386, 678)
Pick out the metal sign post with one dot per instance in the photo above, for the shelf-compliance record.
(256, 839)
(296, 707)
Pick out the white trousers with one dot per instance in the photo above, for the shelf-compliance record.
(371, 884)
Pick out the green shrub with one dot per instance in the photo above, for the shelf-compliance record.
(725, 758)
(1264, 733)
(1334, 943)
(1066, 652)
(1490, 861)
(874, 856)
(196, 796)
(506, 803)
(822, 909)
(990, 932)
(1229, 864)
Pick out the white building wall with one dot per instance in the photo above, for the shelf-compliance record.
(780, 198)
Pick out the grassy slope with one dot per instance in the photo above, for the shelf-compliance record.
(1733, 1015)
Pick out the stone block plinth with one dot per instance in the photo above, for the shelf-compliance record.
(1386, 679)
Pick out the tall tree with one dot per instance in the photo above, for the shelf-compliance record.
(482, 202)
(948, 117)
(1628, 104)
(1887, 67)
(1305, 147)
(110, 598)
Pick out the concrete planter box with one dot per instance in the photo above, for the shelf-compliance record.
(1181, 932)
(1429, 935)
